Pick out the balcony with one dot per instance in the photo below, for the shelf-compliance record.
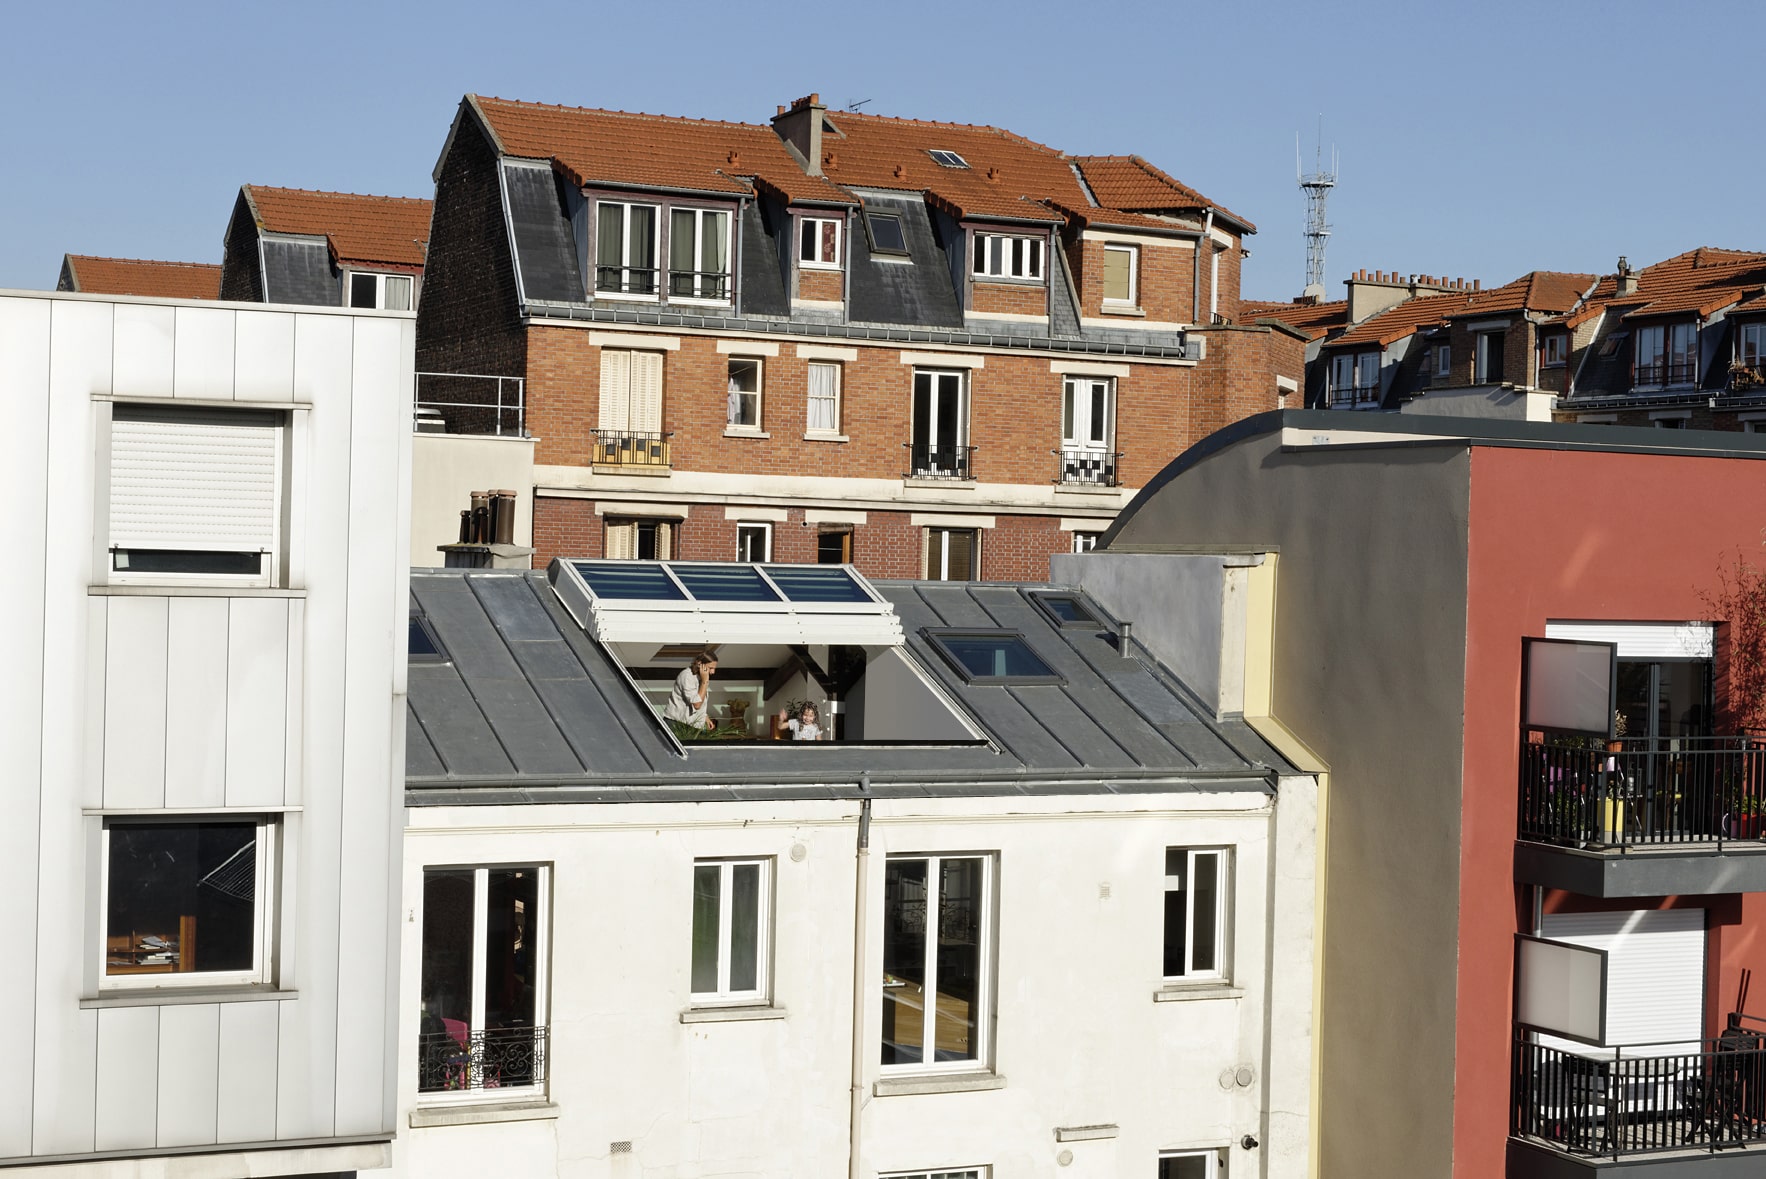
(1651, 1109)
(458, 1060)
(469, 403)
(1643, 817)
(939, 462)
(626, 280)
(1350, 396)
(1661, 373)
(632, 448)
(699, 284)
(1086, 468)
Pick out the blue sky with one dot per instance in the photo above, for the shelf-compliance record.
(1481, 140)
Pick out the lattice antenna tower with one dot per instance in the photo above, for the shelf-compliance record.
(1316, 185)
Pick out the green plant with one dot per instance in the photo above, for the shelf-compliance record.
(1740, 600)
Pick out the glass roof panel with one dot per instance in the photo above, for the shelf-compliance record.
(629, 579)
(724, 583)
(817, 583)
(992, 656)
(1068, 608)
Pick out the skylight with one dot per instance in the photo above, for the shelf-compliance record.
(886, 233)
(992, 656)
(424, 647)
(947, 159)
(1066, 609)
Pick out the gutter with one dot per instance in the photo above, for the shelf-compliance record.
(1196, 266)
(849, 783)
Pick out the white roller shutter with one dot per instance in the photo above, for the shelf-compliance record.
(206, 480)
(1642, 640)
(1655, 971)
(616, 397)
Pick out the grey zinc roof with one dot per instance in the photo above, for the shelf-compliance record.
(528, 707)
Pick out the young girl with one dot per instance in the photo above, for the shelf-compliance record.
(803, 726)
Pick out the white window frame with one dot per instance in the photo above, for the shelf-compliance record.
(759, 422)
(698, 295)
(1009, 257)
(1658, 335)
(806, 225)
(1217, 971)
(1134, 276)
(1481, 354)
(1085, 542)
(942, 1173)
(1087, 445)
(625, 252)
(1751, 337)
(1210, 1157)
(764, 530)
(983, 1013)
(1554, 350)
(381, 280)
(1677, 344)
(540, 926)
(1443, 360)
(724, 996)
(943, 573)
(810, 398)
(263, 896)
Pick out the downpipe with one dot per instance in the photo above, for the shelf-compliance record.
(861, 903)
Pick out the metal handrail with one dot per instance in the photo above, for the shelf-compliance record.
(1679, 372)
(1643, 792)
(629, 280)
(1079, 464)
(632, 448)
(504, 1058)
(699, 284)
(503, 412)
(1355, 394)
(939, 462)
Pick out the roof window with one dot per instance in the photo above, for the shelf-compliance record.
(886, 233)
(992, 657)
(424, 647)
(1066, 609)
(947, 159)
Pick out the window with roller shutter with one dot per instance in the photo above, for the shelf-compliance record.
(195, 493)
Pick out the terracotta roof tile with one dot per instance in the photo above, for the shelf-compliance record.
(1088, 216)
(1699, 281)
(1129, 182)
(1549, 291)
(136, 276)
(1313, 320)
(1540, 290)
(388, 231)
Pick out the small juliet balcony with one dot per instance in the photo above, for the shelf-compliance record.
(1354, 396)
(633, 449)
(1643, 817)
(1663, 373)
(1086, 467)
(939, 461)
(457, 1059)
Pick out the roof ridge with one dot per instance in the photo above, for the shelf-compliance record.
(364, 196)
(141, 261)
(598, 110)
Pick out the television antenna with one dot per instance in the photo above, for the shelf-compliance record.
(1316, 185)
(853, 106)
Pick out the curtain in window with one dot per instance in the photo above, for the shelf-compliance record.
(681, 226)
(824, 397)
(711, 250)
(1118, 277)
(609, 245)
(398, 293)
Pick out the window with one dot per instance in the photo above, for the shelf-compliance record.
(953, 554)
(1613, 343)
(1192, 1164)
(1683, 353)
(936, 963)
(1668, 421)
(818, 242)
(630, 417)
(1087, 420)
(824, 398)
(743, 406)
(1649, 369)
(947, 159)
(970, 1173)
(1750, 345)
(1000, 256)
(1554, 350)
(937, 449)
(1195, 913)
(731, 936)
(1443, 360)
(1121, 274)
(887, 236)
(1067, 609)
(754, 543)
(483, 987)
(639, 540)
(383, 292)
(195, 493)
(625, 248)
(423, 646)
(1355, 378)
(1085, 542)
(982, 657)
(698, 254)
(1489, 357)
(187, 902)
(834, 546)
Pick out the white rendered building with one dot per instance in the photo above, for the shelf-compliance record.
(202, 721)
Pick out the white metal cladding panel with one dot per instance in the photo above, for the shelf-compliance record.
(1655, 970)
(1641, 640)
(194, 480)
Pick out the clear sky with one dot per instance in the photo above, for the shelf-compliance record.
(1482, 140)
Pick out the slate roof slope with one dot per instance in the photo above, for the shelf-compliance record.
(529, 707)
(364, 229)
(1312, 320)
(138, 276)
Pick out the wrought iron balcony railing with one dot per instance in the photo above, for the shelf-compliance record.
(631, 448)
(1614, 1102)
(627, 280)
(699, 284)
(1643, 792)
(1355, 395)
(1679, 372)
(1091, 468)
(470, 403)
(507, 1058)
(939, 462)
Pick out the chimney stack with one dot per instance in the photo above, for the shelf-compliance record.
(1627, 277)
(801, 127)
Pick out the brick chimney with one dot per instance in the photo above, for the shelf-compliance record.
(1373, 291)
(800, 125)
(1627, 277)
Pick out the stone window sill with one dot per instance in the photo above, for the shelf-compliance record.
(937, 1083)
(1109, 308)
(745, 432)
(818, 436)
(172, 996)
(730, 1014)
(933, 483)
(1183, 994)
(466, 1114)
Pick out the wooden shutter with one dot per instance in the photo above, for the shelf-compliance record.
(962, 554)
(207, 480)
(621, 540)
(646, 402)
(664, 540)
(616, 390)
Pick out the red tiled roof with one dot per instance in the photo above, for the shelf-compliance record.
(137, 276)
(1397, 322)
(1129, 182)
(1121, 219)
(1312, 320)
(1698, 281)
(373, 229)
(1540, 290)
(1550, 291)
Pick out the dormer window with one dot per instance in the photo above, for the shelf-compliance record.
(947, 159)
(1554, 350)
(1666, 355)
(378, 292)
(999, 255)
(886, 233)
(626, 248)
(698, 254)
(818, 242)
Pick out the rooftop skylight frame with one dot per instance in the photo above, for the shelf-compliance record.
(1092, 618)
(945, 158)
(872, 216)
(942, 638)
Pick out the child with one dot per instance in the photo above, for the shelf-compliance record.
(803, 726)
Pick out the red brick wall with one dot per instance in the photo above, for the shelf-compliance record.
(827, 285)
(1009, 298)
(1237, 379)
(1166, 278)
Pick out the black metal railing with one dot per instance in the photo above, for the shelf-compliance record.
(632, 448)
(1090, 468)
(1641, 792)
(627, 280)
(470, 403)
(699, 284)
(1355, 394)
(1679, 372)
(1612, 1102)
(508, 1058)
(939, 462)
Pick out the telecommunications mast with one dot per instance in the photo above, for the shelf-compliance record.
(1317, 185)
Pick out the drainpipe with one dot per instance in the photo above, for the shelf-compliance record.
(861, 901)
(736, 276)
(1207, 238)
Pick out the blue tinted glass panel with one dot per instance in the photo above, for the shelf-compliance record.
(724, 583)
(989, 656)
(629, 579)
(1067, 609)
(424, 645)
(817, 583)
